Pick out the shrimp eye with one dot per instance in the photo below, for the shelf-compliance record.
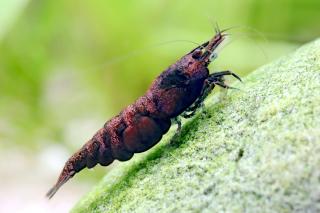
(196, 54)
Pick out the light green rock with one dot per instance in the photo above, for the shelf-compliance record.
(254, 150)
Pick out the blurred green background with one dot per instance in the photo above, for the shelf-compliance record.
(68, 66)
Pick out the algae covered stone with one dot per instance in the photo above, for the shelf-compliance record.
(255, 150)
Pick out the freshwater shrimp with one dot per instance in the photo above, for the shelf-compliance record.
(178, 91)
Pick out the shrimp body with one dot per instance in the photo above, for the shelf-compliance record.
(177, 91)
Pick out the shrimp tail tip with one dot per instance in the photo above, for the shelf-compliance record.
(57, 186)
(51, 192)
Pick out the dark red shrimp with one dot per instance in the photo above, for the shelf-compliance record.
(177, 91)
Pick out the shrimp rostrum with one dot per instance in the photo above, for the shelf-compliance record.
(177, 91)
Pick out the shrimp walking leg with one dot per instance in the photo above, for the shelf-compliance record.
(213, 79)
